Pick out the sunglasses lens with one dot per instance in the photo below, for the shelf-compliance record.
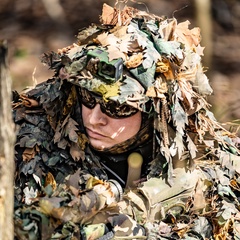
(111, 108)
(115, 110)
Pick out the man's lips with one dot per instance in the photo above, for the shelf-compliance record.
(94, 134)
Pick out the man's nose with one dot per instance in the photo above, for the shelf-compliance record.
(97, 116)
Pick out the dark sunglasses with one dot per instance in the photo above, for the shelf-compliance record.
(111, 108)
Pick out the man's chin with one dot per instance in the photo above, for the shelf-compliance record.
(99, 146)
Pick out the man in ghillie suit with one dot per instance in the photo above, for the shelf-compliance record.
(120, 143)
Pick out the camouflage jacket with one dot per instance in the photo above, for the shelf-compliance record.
(62, 191)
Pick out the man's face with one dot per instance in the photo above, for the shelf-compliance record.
(104, 131)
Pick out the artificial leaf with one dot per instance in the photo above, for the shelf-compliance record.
(145, 76)
(165, 67)
(199, 200)
(47, 204)
(52, 161)
(124, 44)
(115, 53)
(167, 28)
(149, 58)
(28, 141)
(225, 190)
(133, 46)
(202, 83)
(186, 36)
(169, 48)
(74, 68)
(173, 148)
(188, 95)
(134, 61)
(120, 31)
(28, 102)
(129, 88)
(75, 51)
(49, 180)
(178, 140)
(76, 152)
(106, 39)
(199, 50)
(138, 35)
(84, 37)
(37, 179)
(108, 90)
(191, 147)
(30, 194)
(162, 66)
(71, 130)
(179, 117)
(108, 14)
(62, 143)
(221, 177)
(29, 153)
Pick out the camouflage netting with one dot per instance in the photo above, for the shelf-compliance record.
(192, 187)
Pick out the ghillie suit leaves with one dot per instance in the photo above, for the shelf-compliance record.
(152, 64)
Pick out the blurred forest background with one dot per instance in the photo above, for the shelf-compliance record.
(33, 27)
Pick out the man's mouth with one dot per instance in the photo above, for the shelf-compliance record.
(93, 134)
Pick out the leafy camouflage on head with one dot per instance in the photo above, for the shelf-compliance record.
(161, 64)
(157, 55)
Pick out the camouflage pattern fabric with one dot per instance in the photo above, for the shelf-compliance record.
(57, 197)
(191, 190)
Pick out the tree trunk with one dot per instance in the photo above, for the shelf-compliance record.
(204, 21)
(7, 139)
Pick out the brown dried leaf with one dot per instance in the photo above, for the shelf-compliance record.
(151, 92)
(29, 153)
(106, 39)
(187, 94)
(162, 66)
(134, 60)
(166, 29)
(119, 31)
(222, 232)
(92, 182)
(82, 140)
(50, 180)
(124, 44)
(189, 37)
(28, 102)
(76, 152)
(199, 201)
(70, 101)
(115, 53)
(109, 15)
(71, 130)
(134, 46)
(127, 14)
(169, 74)
(112, 16)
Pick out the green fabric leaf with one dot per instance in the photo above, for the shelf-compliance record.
(53, 161)
(168, 48)
(145, 76)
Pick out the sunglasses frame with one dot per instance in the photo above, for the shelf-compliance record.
(111, 108)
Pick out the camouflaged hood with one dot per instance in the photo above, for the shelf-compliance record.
(135, 57)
